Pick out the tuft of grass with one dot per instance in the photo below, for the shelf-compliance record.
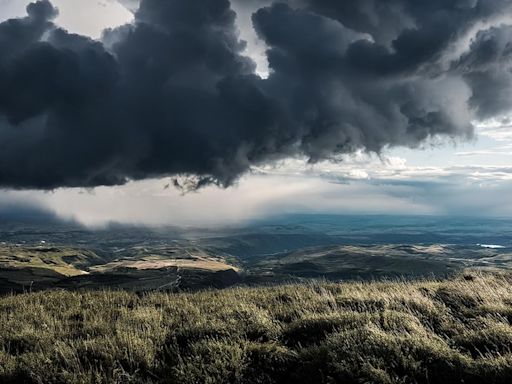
(451, 331)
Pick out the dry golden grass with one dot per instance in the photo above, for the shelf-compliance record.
(146, 263)
(455, 331)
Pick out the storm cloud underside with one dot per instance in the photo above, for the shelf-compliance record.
(174, 92)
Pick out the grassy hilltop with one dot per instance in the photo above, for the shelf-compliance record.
(450, 331)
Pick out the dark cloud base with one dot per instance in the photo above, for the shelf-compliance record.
(173, 93)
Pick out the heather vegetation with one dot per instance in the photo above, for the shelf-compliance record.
(449, 331)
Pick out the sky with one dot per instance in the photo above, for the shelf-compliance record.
(205, 115)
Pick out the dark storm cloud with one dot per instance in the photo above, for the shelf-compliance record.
(173, 93)
(347, 92)
(487, 67)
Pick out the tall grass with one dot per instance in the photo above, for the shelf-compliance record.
(455, 331)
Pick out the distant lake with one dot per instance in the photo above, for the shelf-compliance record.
(491, 246)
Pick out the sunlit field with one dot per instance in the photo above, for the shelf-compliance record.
(382, 332)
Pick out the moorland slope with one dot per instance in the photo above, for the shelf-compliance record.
(429, 331)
